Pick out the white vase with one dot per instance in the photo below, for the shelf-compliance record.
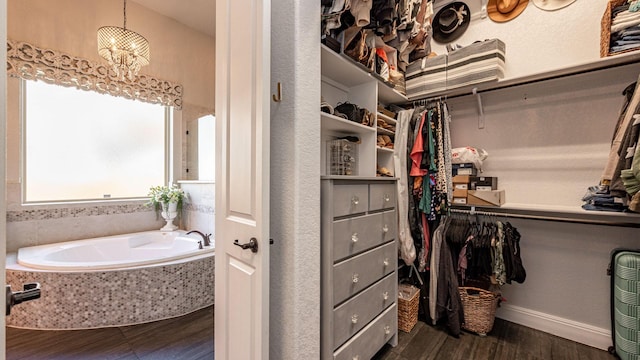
(169, 212)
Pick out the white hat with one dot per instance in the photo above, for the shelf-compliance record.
(550, 5)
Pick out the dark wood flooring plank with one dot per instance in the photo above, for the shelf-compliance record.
(102, 344)
(187, 337)
(425, 343)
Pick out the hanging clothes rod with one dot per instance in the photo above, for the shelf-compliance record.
(565, 219)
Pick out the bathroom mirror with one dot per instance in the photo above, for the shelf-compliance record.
(200, 148)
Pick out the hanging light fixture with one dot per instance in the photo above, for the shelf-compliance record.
(125, 50)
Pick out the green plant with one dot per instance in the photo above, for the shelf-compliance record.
(159, 195)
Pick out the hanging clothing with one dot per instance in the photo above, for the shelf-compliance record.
(407, 247)
(614, 156)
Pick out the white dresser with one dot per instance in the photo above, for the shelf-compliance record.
(359, 262)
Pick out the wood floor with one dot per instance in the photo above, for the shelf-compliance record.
(507, 341)
(191, 338)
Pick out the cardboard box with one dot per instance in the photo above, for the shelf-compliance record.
(460, 186)
(459, 201)
(483, 183)
(459, 193)
(486, 198)
(461, 179)
(464, 169)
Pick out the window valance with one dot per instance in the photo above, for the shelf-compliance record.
(30, 62)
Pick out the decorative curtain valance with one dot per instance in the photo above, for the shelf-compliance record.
(30, 62)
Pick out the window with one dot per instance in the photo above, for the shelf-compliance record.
(82, 145)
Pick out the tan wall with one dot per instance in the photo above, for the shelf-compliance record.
(178, 53)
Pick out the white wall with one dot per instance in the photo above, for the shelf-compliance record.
(547, 143)
(295, 181)
(539, 40)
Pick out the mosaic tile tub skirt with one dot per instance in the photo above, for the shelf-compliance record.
(77, 300)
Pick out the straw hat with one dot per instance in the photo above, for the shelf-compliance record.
(550, 5)
(505, 10)
(451, 22)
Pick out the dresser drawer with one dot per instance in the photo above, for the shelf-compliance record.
(357, 234)
(358, 311)
(350, 199)
(357, 273)
(382, 196)
(368, 341)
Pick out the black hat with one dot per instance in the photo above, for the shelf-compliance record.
(451, 22)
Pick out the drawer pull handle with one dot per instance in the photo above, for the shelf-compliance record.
(355, 278)
(385, 295)
(385, 229)
(387, 330)
(355, 200)
(354, 238)
(387, 197)
(386, 262)
(357, 357)
(354, 318)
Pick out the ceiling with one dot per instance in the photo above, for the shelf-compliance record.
(198, 14)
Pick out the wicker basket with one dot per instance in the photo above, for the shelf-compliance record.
(479, 307)
(605, 30)
(408, 301)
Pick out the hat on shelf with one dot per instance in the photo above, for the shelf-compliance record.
(505, 10)
(451, 22)
(550, 5)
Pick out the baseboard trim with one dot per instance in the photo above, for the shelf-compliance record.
(579, 332)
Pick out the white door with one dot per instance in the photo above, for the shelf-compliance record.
(3, 122)
(242, 179)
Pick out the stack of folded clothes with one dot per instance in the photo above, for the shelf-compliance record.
(598, 197)
(625, 27)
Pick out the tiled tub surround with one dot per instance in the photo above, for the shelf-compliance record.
(91, 299)
(199, 207)
(30, 225)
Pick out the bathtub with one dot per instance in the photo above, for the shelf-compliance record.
(112, 281)
(113, 252)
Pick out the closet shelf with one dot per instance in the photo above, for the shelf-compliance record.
(576, 69)
(384, 149)
(343, 70)
(385, 131)
(570, 214)
(387, 119)
(336, 124)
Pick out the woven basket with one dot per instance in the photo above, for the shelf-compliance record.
(479, 307)
(408, 301)
(605, 30)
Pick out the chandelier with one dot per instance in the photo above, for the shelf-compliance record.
(125, 50)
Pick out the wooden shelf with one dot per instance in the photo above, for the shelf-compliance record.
(341, 69)
(571, 214)
(332, 123)
(387, 119)
(384, 149)
(385, 131)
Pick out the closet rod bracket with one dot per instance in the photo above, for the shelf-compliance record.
(475, 92)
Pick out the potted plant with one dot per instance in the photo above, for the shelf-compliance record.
(167, 200)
